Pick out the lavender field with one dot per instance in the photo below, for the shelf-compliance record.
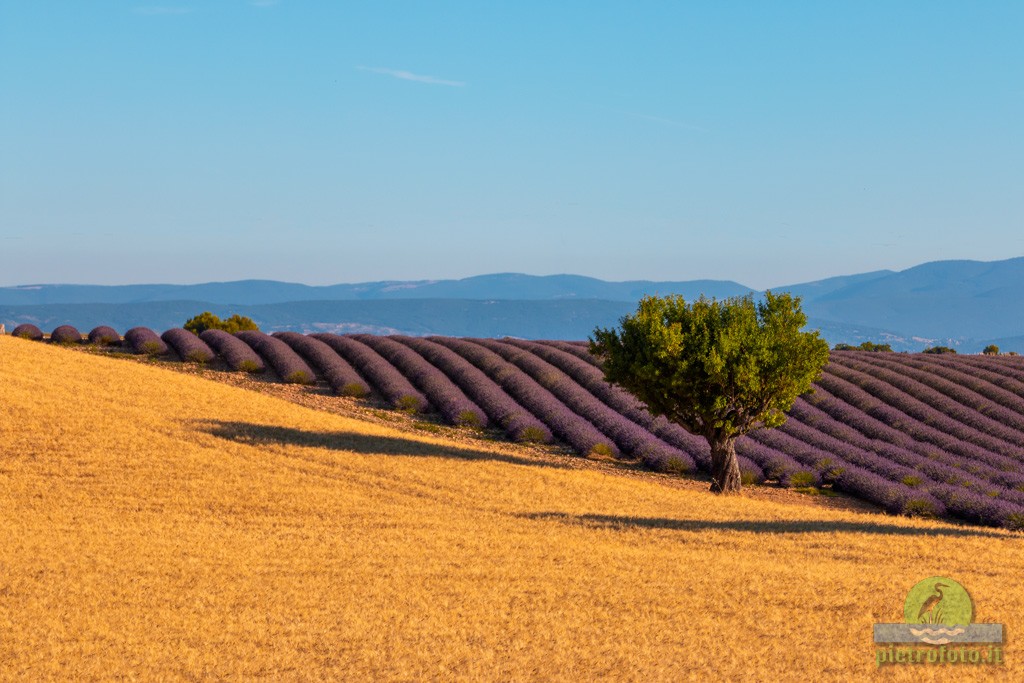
(915, 434)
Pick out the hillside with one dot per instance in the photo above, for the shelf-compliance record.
(158, 525)
(915, 434)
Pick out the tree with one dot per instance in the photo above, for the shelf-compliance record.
(939, 349)
(208, 321)
(864, 346)
(991, 350)
(719, 369)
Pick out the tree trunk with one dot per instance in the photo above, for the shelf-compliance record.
(725, 470)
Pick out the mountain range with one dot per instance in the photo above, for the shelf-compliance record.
(965, 304)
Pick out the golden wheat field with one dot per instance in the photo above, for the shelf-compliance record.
(160, 526)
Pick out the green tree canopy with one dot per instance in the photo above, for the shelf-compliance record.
(717, 368)
(864, 346)
(939, 349)
(991, 350)
(208, 321)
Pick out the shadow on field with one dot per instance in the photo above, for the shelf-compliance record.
(768, 526)
(257, 435)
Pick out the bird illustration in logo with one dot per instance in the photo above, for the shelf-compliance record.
(930, 607)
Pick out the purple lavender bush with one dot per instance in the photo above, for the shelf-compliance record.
(340, 375)
(104, 336)
(628, 436)
(502, 409)
(188, 346)
(285, 362)
(574, 430)
(235, 352)
(27, 331)
(144, 341)
(386, 380)
(66, 334)
(443, 394)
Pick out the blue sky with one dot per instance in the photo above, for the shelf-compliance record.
(323, 142)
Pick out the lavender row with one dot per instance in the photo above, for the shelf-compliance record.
(578, 349)
(104, 336)
(1004, 391)
(340, 375)
(1011, 367)
(143, 340)
(517, 422)
(953, 400)
(443, 394)
(188, 346)
(837, 419)
(926, 420)
(278, 355)
(235, 352)
(387, 381)
(915, 429)
(27, 331)
(580, 434)
(630, 437)
(66, 334)
(901, 466)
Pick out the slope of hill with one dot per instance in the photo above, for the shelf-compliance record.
(944, 300)
(161, 526)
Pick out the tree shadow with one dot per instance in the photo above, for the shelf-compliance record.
(257, 434)
(758, 526)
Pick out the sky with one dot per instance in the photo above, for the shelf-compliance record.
(768, 143)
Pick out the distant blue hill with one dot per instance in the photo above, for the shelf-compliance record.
(965, 304)
(512, 286)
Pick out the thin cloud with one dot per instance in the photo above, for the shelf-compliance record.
(157, 11)
(409, 76)
(670, 122)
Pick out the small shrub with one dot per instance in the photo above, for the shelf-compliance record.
(299, 377)
(602, 450)
(408, 403)
(249, 366)
(911, 481)
(532, 435)
(1015, 521)
(748, 478)
(150, 348)
(830, 471)
(469, 418)
(675, 465)
(916, 507)
(354, 389)
(803, 479)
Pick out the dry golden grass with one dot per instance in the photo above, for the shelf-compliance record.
(161, 526)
